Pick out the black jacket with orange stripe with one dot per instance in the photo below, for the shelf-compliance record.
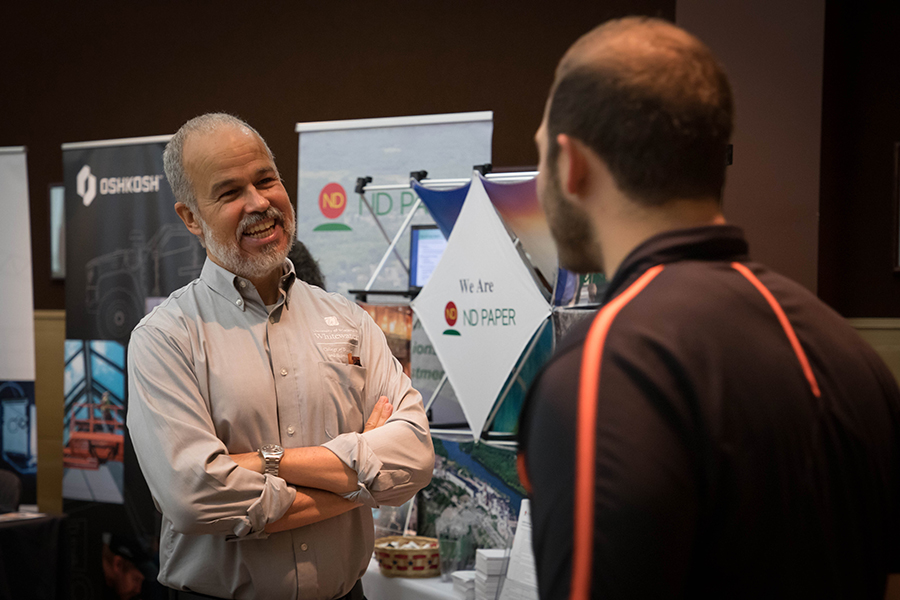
(719, 457)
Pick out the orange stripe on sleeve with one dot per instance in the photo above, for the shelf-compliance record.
(586, 436)
(785, 325)
(522, 470)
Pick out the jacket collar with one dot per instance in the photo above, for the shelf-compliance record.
(711, 242)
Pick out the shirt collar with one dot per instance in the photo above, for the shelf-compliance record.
(235, 288)
(287, 281)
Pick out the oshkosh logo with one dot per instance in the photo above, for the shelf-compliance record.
(130, 185)
(86, 185)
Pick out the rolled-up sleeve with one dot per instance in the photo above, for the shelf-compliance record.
(396, 460)
(190, 475)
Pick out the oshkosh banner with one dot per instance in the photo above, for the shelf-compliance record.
(18, 425)
(337, 226)
(126, 250)
(481, 306)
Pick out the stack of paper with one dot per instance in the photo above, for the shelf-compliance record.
(464, 584)
(490, 567)
(516, 590)
(521, 578)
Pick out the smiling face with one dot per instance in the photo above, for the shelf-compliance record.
(245, 216)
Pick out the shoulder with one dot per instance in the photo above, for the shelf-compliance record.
(698, 315)
(173, 317)
(329, 307)
(316, 294)
(315, 298)
(678, 288)
(691, 299)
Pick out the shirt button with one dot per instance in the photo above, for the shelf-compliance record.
(272, 320)
(304, 547)
(290, 430)
(243, 284)
(284, 372)
(239, 302)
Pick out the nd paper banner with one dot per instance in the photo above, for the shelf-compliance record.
(335, 224)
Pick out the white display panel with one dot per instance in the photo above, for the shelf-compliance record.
(335, 223)
(481, 307)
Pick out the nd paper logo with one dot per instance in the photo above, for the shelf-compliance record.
(451, 314)
(474, 317)
(332, 202)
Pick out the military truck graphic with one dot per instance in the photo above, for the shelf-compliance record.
(120, 283)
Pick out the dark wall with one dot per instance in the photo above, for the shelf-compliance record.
(92, 71)
(772, 51)
(860, 125)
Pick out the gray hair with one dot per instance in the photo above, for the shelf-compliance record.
(173, 156)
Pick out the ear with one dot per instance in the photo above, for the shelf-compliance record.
(572, 164)
(190, 220)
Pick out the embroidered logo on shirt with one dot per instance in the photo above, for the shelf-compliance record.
(331, 321)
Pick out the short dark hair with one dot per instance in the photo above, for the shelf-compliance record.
(661, 121)
(305, 266)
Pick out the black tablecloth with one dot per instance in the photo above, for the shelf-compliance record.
(33, 559)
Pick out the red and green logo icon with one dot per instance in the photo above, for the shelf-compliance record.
(451, 314)
(332, 202)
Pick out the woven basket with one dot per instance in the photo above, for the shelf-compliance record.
(402, 562)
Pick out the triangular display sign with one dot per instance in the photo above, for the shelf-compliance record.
(480, 307)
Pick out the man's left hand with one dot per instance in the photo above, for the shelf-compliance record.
(380, 414)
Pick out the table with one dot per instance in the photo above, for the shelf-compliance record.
(33, 558)
(378, 587)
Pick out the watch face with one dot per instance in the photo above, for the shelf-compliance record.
(272, 448)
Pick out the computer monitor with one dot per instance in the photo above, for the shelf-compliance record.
(426, 246)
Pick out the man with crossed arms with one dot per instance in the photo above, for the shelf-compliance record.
(268, 416)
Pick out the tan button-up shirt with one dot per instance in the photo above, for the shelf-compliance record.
(212, 372)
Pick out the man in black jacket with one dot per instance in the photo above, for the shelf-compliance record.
(716, 431)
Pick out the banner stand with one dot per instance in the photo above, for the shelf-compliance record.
(364, 186)
(18, 412)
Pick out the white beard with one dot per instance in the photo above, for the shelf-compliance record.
(255, 266)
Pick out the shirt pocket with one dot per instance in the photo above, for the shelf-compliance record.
(343, 397)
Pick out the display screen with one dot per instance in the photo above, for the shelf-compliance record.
(426, 247)
(57, 232)
(14, 417)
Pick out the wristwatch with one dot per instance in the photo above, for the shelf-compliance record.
(271, 455)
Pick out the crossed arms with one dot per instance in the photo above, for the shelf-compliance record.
(190, 411)
(322, 478)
